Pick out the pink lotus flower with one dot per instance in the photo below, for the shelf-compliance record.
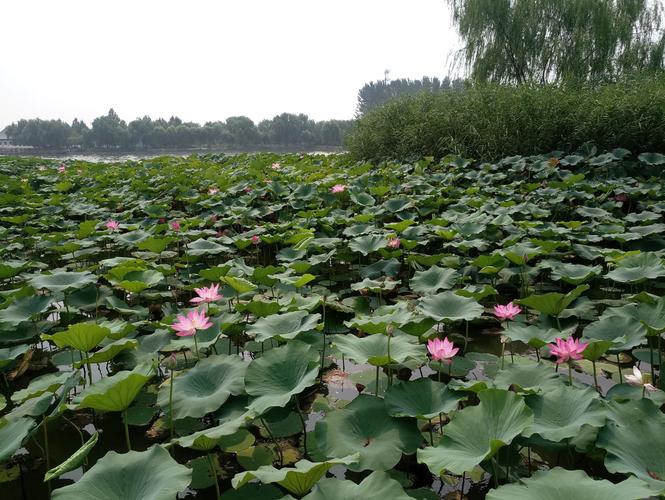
(175, 225)
(637, 380)
(275, 166)
(213, 191)
(62, 169)
(256, 239)
(186, 326)
(206, 294)
(394, 243)
(442, 350)
(509, 311)
(567, 350)
(248, 190)
(112, 225)
(338, 188)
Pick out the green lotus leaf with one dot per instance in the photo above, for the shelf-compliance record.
(74, 461)
(280, 374)
(155, 245)
(368, 243)
(623, 331)
(575, 274)
(24, 309)
(451, 307)
(562, 484)
(205, 387)
(205, 247)
(651, 315)
(82, 336)
(131, 238)
(364, 427)
(396, 315)
(259, 308)
(637, 268)
(376, 485)
(374, 349)
(240, 285)
(376, 286)
(114, 393)
(433, 279)
(527, 377)
(10, 268)
(283, 326)
(298, 480)
(652, 158)
(256, 491)
(207, 439)
(422, 398)
(9, 354)
(533, 335)
(110, 351)
(478, 432)
(62, 281)
(38, 386)
(12, 434)
(634, 441)
(146, 475)
(553, 303)
(561, 412)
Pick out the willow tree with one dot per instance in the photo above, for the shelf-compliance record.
(552, 41)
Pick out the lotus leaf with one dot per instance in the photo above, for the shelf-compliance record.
(376, 485)
(476, 433)
(562, 484)
(280, 374)
(364, 427)
(146, 475)
(298, 480)
(205, 387)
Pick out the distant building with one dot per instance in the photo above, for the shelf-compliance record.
(4, 141)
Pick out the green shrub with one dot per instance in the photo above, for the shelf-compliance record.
(493, 121)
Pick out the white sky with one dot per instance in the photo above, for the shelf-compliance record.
(209, 59)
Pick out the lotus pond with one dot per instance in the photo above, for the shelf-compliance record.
(267, 327)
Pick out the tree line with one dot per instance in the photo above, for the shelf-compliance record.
(111, 132)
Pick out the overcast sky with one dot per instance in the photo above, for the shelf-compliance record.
(209, 59)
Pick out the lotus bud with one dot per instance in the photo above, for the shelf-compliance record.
(170, 362)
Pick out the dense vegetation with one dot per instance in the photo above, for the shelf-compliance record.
(375, 94)
(556, 41)
(488, 121)
(111, 131)
(203, 312)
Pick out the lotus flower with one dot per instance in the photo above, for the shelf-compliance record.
(256, 239)
(637, 380)
(206, 294)
(338, 188)
(186, 326)
(442, 350)
(247, 189)
(567, 350)
(112, 225)
(62, 169)
(213, 191)
(175, 225)
(509, 311)
(275, 166)
(394, 243)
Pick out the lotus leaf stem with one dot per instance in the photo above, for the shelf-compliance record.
(211, 464)
(376, 390)
(196, 346)
(619, 366)
(570, 374)
(272, 438)
(304, 426)
(171, 403)
(124, 417)
(87, 362)
(431, 434)
(595, 376)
